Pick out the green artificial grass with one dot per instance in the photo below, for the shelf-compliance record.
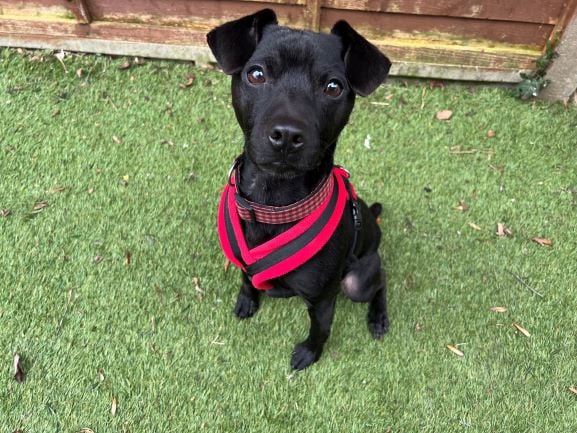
(114, 286)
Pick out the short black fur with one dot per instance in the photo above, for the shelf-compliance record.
(292, 93)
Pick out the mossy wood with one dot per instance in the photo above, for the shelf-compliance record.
(489, 40)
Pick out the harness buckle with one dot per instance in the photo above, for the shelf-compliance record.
(233, 168)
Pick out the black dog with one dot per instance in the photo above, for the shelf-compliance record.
(293, 92)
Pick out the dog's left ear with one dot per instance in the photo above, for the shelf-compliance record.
(366, 67)
(234, 42)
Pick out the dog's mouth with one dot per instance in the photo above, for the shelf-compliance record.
(282, 168)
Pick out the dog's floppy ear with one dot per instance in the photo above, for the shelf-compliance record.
(366, 67)
(234, 42)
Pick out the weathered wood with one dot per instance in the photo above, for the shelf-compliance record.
(36, 9)
(412, 51)
(197, 53)
(202, 55)
(313, 14)
(442, 54)
(535, 11)
(563, 72)
(291, 2)
(182, 13)
(81, 11)
(451, 72)
(377, 25)
(451, 39)
(567, 13)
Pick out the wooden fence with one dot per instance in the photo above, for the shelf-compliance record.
(490, 40)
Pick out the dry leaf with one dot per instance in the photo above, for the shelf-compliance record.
(139, 61)
(542, 241)
(444, 115)
(521, 330)
(455, 350)
(113, 407)
(367, 142)
(18, 371)
(474, 226)
(101, 375)
(499, 309)
(39, 206)
(199, 291)
(91, 191)
(462, 207)
(503, 230)
(435, 84)
(86, 430)
(226, 265)
(127, 258)
(458, 150)
(98, 259)
(573, 389)
(116, 139)
(5, 213)
(55, 190)
(491, 134)
(79, 72)
(189, 82)
(125, 65)
(60, 56)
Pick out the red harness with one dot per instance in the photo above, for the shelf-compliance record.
(318, 216)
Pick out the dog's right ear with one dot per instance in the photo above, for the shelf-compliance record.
(234, 42)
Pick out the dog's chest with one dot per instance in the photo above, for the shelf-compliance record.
(258, 233)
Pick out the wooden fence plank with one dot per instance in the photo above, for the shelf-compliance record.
(398, 50)
(567, 13)
(37, 9)
(442, 54)
(81, 11)
(448, 39)
(313, 14)
(377, 25)
(535, 11)
(182, 12)
(562, 72)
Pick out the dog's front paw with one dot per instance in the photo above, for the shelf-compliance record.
(303, 357)
(378, 325)
(245, 306)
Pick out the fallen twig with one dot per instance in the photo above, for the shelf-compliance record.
(458, 150)
(518, 278)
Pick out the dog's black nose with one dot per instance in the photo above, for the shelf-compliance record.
(286, 137)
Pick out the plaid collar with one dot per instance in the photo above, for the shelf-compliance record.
(255, 212)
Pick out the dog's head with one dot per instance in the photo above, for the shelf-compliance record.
(293, 91)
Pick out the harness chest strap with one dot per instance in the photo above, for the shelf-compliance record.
(290, 249)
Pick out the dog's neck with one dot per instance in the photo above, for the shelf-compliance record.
(271, 189)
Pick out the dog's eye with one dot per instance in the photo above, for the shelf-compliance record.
(255, 75)
(334, 88)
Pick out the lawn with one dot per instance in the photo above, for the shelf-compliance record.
(114, 291)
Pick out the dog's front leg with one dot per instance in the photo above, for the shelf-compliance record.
(248, 301)
(321, 315)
